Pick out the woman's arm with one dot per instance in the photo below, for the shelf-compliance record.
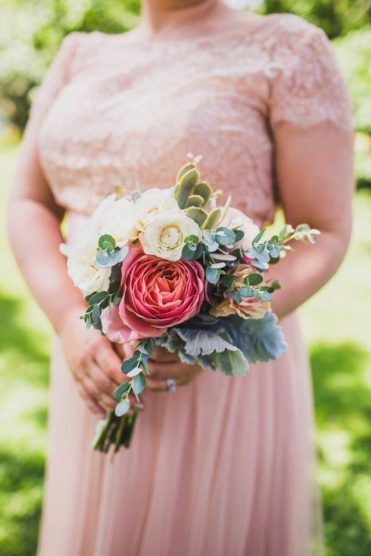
(34, 232)
(314, 169)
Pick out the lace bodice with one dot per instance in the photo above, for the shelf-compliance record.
(116, 111)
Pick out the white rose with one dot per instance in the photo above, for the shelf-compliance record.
(151, 203)
(165, 236)
(237, 219)
(115, 216)
(86, 275)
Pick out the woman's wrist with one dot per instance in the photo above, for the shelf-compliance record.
(69, 317)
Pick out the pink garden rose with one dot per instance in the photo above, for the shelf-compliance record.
(157, 294)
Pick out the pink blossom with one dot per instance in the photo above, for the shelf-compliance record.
(157, 294)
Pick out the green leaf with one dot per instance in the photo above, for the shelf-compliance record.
(122, 408)
(107, 243)
(96, 297)
(218, 265)
(188, 253)
(235, 296)
(225, 236)
(227, 280)
(120, 390)
(95, 315)
(191, 239)
(148, 345)
(253, 279)
(258, 237)
(130, 364)
(239, 234)
(212, 275)
(139, 384)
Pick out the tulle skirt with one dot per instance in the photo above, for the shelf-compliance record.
(221, 467)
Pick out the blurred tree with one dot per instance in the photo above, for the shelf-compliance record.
(30, 33)
(354, 53)
(336, 17)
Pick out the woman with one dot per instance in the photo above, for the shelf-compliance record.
(220, 466)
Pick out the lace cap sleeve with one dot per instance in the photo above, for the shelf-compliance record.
(56, 76)
(308, 89)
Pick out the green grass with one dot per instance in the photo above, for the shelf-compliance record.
(336, 325)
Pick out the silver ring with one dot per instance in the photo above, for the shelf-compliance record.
(170, 385)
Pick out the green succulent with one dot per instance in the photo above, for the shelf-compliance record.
(192, 195)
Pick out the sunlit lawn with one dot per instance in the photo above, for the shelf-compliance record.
(337, 325)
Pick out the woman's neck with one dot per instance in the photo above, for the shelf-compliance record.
(167, 16)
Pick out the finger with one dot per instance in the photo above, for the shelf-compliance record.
(159, 385)
(101, 379)
(90, 402)
(164, 370)
(163, 355)
(110, 363)
(100, 397)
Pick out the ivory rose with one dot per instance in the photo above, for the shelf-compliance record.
(157, 294)
(116, 216)
(164, 236)
(151, 203)
(83, 271)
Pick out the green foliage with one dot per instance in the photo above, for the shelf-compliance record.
(31, 32)
(335, 17)
(354, 54)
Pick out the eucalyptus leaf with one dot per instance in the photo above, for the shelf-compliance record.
(225, 236)
(253, 279)
(258, 237)
(120, 390)
(134, 372)
(122, 408)
(239, 234)
(139, 383)
(227, 280)
(212, 274)
(110, 258)
(130, 364)
(95, 315)
(96, 297)
(187, 253)
(106, 242)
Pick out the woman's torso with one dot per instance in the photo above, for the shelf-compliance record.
(132, 110)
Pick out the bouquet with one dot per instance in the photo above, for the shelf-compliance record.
(171, 268)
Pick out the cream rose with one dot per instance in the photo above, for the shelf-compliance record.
(116, 216)
(83, 271)
(165, 236)
(151, 203)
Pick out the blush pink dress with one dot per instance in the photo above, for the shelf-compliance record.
(221, 467)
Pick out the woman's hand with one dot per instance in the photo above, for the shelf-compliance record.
(164, 365)
(93, 362)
